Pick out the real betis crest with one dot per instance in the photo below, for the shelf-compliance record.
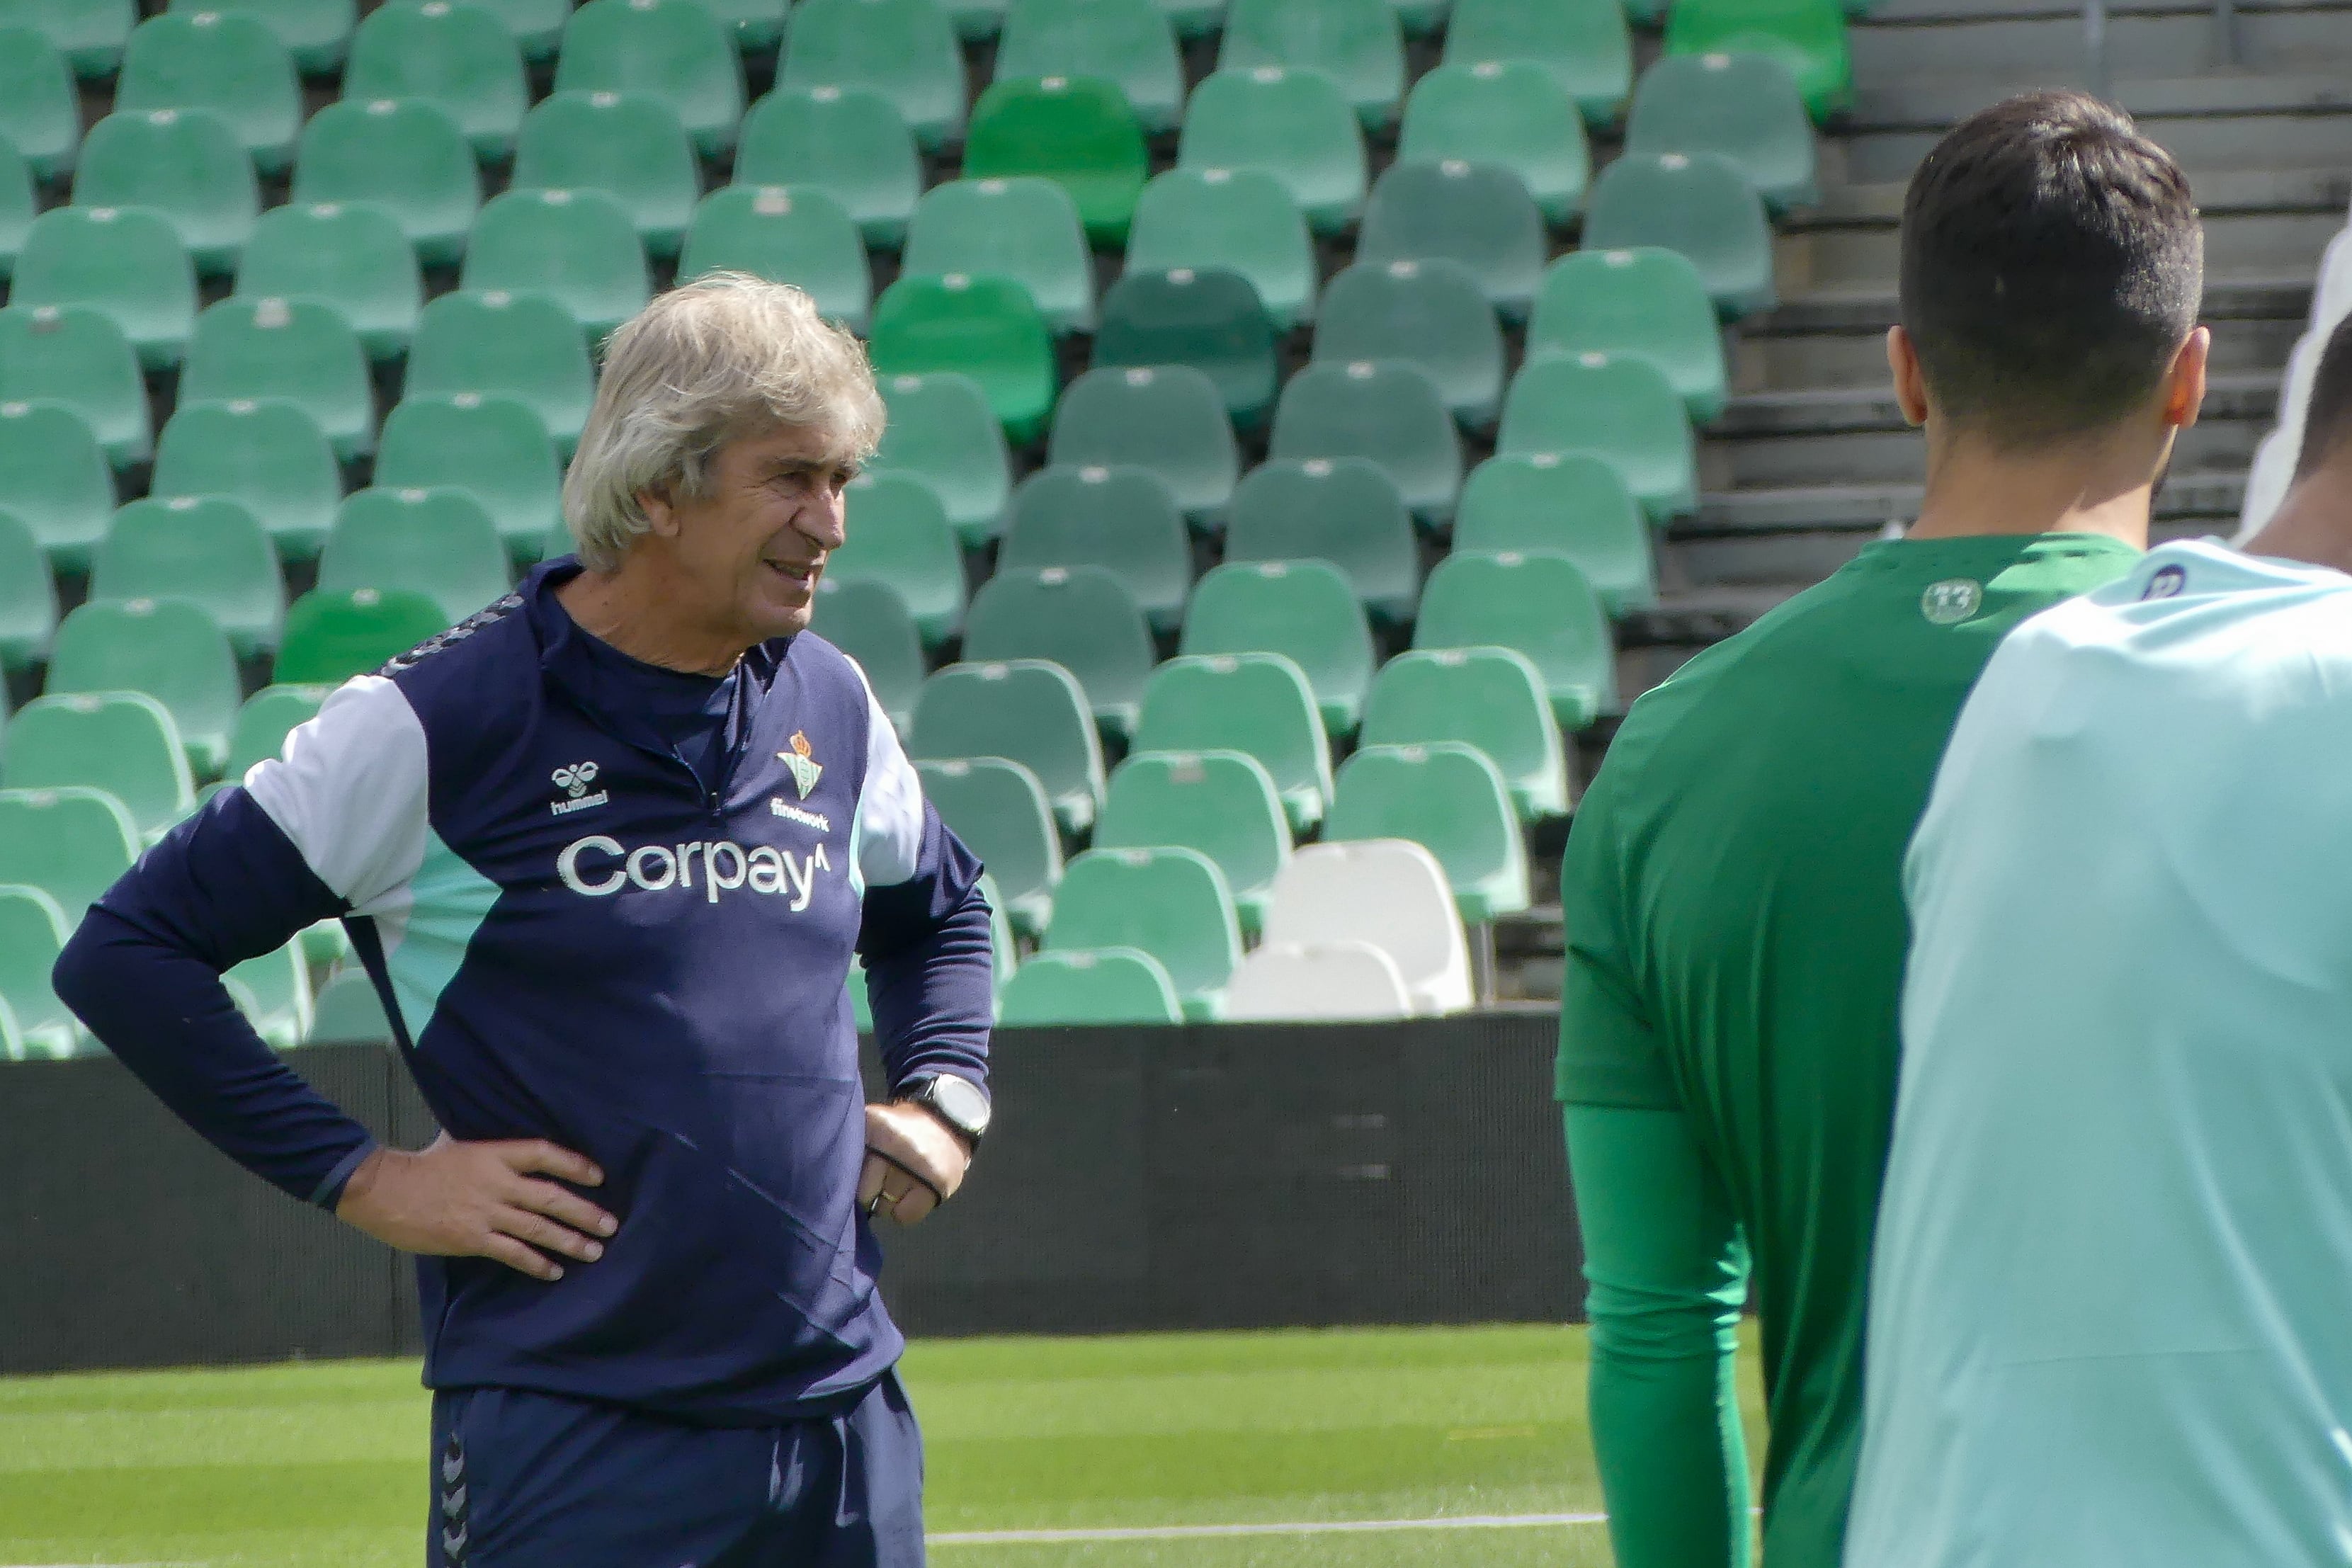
(805, 771)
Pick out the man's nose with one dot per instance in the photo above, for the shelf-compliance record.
(825, 521)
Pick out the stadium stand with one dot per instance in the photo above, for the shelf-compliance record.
(1221, 804)
(1166, 900)
(70, 842)
(121, 742)
(1305, 323)
(33, 930)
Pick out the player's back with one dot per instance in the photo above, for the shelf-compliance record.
(2108, 1324)
(1735, 869)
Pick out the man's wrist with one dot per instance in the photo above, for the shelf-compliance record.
(964, 1140)
(954, 1101)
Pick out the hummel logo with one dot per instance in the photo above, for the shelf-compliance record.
(453, 1464)
(573, 782)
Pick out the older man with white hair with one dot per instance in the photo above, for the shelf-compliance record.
(605, 849)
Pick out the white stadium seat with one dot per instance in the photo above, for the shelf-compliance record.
(1384, 891)
(2267, 478)
(1317, 982)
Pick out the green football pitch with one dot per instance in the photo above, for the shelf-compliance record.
(1207, 1450)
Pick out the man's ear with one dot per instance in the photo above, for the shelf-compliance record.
(2184, 384)
(661, 518)
(1910, 386)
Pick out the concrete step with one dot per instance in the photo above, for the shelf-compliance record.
(2281, 243)
(2207, 495)
(2219, 193)
(1884, 457)
(2177, 43)
(1832, 411)
(1936, 100)
(1858, 359)
(2285, 136)
(1915, 12)
(1871, 307)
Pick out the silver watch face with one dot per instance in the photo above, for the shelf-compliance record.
(961, 1101)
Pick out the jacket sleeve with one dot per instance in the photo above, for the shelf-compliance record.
(925, 933)
(1668, 1274)
(324, 831)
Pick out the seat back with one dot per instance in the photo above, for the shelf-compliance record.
(849, 143)
(458, 59)
(997, 807)
(1806, 35)
(1029, 711)
(29, 596)
(1323, 982)
(266, 719)
(1475, 215)
(1257, 704)
(33, 931)
(406, 158)
(208, 550)
(1584, 44)
(1489, 698)
(1342, 510)
(222, 61)
(1575, 505)
(673, 51)
(1024, 228)
(899, 533)
(984, 327)
(56, 479)
(185, 163)
(1619, 406)
(1539, 606)
(126, 262)
(353, 259)
(1076, 131)
(1237, 220)
(121, 742)
(438, 541)
(76, 356)
(904, 49)
(1122, 519)
(803, 237)
(1696, 204)
(1129, 46)
(1108, 985)
(1389, 893)
(268, 457)
(870, 623)
(1429, 314)
(1304, 610)
(316, 32)
(1222, 803)
(522, 345)
(1649, 302)
(1170, 903)
(629, 145)
(332, 635)
(1511, 113)
(1383, 410)
(575, 247)
(39, 110)
(1167, 418)
(299, 351)
(1745, 106)
(490, 446)
(1207, 320)
(1080, 617)
(169, 649)
(1295, 125)
(72, 843)
(1357, 43)
(943, 430)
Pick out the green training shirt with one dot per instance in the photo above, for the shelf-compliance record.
(1735, 933)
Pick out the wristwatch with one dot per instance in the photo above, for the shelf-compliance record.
(958, 1102)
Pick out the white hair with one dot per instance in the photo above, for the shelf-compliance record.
(726, 356)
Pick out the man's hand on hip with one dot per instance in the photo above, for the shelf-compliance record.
(914, 1161)
(482, 1200)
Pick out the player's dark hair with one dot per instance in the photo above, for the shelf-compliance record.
(2053, 264)
(2328, 415)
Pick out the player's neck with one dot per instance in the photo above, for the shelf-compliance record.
(2312, 523)
(2103, 485)
(636, 610)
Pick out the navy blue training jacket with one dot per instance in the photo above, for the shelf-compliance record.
(576, 940)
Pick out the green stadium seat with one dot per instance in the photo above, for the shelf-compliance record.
(986, 330)
(1745, 107)
(266, 456)
(296, 351)
(1538, 605)
(89, 33)
(75, 355)
(121, 742)
(29, 596)
(1647, 302)
(899, 533)
(1194, 18)
(1513, 114)
(33, 931)
(1004, 954)
(904, 49)
(523, 346)
(1427, 313)
(19, 204)
(206, 550)
(1575, 505)
(1584, 44)
(1305, 610)
(1076, 132)
(1221, 804)
(1695, 203)
(184, 163)
(628, 145)
(72, 843)
(125, 262)
(577, 248)
(354, 258)
(1210, 319)
(1082, 619)
(347, 1012)
(1616, 406)
(56, 479)
(231, 64)
(1806, 35)
(40, 113)
(803, 237)
(317, 32)
(1122, 519)
(278, 999)
(1291, 124)
(1448, 798)
(439, 542)
(1129, 45)
(751, 26)
(1256, 703)
(457, 58)
(406, 158)
(266, 719)
(1167, 418)
(943, 430)
(1025, 230)
(1473, 214)
(169, 649)
(869, 622)
(1108, 985)
(1357, 43)
(1170, 903)
(492, 448)
(1343, 511)
(849, 143)
(1029, 711)
(673, 50)
(1489, 698)
(534, 26)
(1000, 811)
(1385, 410)
(1241, 221)
(333, 636)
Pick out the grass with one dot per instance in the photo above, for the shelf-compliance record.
(293, 1467)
